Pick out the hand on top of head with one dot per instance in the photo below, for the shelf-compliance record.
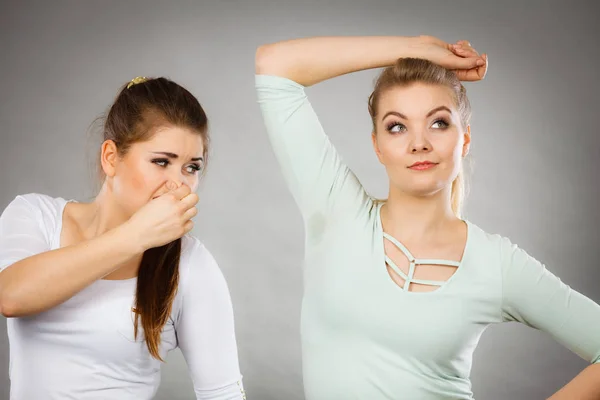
(459, 57)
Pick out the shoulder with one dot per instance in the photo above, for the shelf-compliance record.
(495, 245)
(485, 238)
(37, 201)
(200, 277)
(46, 209)
(197, 262)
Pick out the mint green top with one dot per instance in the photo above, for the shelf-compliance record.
(365, 337)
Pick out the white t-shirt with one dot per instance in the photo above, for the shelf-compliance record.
(84, 349)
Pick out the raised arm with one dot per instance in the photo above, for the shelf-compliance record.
(34, 278)
(535, 297)
(319, 180)
(312, 60)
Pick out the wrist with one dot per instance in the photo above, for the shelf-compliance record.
(129, 239)
(417, 46)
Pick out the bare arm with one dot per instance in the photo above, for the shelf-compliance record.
(319, 180)
(312, 60)
(37, 279)
(42, 281)
(585, 386)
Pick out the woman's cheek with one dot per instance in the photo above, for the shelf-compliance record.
(194, 182)
(143, 181)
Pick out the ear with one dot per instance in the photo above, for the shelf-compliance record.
(109, 157)
(376, 146)
(467, 141)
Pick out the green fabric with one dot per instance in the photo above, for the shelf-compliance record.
(363, 336)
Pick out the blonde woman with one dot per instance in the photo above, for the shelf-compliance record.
(398, 292)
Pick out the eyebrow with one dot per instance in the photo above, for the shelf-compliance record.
(429, 114)
(174, 156)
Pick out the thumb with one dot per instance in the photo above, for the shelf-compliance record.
(167, 187)
(465, 62)
(170, 185)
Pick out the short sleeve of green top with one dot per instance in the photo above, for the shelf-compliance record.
(363, 336)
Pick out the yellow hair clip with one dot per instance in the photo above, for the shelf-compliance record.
(136, 80)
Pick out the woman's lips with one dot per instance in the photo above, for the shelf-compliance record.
(422, 165)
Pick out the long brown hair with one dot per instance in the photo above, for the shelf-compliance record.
(412, 70)
(140, 107)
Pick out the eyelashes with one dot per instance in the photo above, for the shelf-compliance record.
(397, 127)
(443, 123)
(161, 162)
(164, 162)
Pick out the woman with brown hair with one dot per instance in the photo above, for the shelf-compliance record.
(397, 292)
(98, 293)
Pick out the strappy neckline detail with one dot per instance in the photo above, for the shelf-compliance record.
(414, 261)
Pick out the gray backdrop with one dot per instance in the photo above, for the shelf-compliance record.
(535, 147)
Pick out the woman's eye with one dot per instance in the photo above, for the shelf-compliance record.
(396, 127)
(440, 124)
(161, 162)
(192, 169)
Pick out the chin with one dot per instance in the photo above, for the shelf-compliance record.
(423, 189)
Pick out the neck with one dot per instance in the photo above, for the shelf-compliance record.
(103, 214)
(409, 216)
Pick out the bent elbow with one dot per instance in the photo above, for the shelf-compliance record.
(263, 60)
(9, 304)
(8, 308)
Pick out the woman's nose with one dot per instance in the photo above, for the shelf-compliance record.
(419, 143)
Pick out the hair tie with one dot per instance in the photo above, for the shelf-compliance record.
(136, 80)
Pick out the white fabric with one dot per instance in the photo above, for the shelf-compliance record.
(84, 349)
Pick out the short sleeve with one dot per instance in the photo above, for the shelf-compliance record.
(536, 297)
(318, 179)
(205, 328)
(22, 232)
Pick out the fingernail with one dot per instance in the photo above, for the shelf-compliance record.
(480, 62)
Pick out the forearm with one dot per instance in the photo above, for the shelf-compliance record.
(42, 281)
(585, 386)
(312, 60)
